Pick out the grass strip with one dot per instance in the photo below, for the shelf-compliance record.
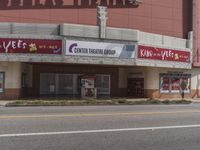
(94, 102)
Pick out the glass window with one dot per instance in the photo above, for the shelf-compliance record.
(77, 83)
(52, 83)
(47, 83)
(2, 78)
(65, 84)
(175, 83)
(102, 83)
(24, 80)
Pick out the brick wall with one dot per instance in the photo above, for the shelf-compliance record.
(11, 94)
(168, 17)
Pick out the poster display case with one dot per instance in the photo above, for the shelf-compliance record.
(175, 83)
(164, 85)
(88, 89)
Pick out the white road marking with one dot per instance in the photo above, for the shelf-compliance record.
(99, 131)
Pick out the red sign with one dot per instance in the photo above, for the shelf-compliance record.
(33, 46)
(147, 52)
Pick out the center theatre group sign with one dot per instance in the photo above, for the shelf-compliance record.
(33, 46)
(154, 53)
(100, 49)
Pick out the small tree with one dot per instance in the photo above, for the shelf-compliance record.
(183, 86)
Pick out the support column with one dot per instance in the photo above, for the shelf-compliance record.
(101, 20)
(196, 32)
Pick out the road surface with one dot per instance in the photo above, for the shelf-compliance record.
(153, 127)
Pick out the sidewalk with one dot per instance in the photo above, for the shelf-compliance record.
(3, 103)
(195, 100)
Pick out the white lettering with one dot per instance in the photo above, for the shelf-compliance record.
(171, 54)
(6, 46)
(19, 44)
(24, 45)
(166, 54)
(163, 54)
(146, 53)
(14, 44)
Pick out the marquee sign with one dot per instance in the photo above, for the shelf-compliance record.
(154, 53)
(99, 49)
(32, 46)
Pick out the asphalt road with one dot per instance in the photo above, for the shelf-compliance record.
(161, 127)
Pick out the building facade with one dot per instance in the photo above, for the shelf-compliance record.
(139, 49)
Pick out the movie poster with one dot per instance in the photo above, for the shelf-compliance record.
(175, 88)
(164, 88)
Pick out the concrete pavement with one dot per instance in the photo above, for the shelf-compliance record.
(3, 103)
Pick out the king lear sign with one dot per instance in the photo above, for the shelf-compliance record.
(99, 49)
(147, 52)
(32, 46)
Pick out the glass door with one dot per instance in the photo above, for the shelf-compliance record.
(47, 83)
(135, 87)
(102, 83)
(52, 84)
(64, 84)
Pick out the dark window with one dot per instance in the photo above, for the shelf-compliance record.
(2, 82)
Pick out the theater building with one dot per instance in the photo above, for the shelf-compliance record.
(139, 49)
